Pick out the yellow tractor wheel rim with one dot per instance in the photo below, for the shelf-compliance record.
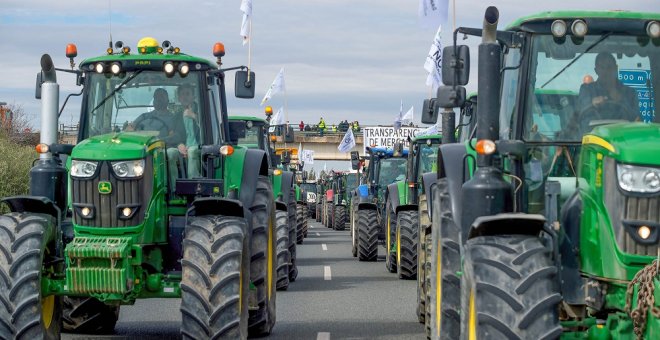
(270, 257)
(389, 244)
(472, 323)
(47, 310)
(438, 289)
(398, 246)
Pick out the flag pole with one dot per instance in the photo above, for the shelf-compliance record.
(249, 50)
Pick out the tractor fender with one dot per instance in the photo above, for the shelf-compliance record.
(254, 165)
(287, 184)
(367, 206)
(429, 179)
(392, 195)
(218, 206)
(33, 204)
(405, 207)
(450, 165)
(280, 205)
(507, 224)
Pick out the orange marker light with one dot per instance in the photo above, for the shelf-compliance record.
(269, 110)
(71, 51)
(41, 148)
(219, 50)
(226, 150)
(485, 147)
(273, 138)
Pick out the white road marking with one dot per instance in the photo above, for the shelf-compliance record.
(317, 234)
(327, 275)
(324, 246)
(323, 336)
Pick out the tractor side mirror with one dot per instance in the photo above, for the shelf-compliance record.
(355, 160)
(244, 85)
(398, 150)
(429, 111)
(450, 97)
(456, 65)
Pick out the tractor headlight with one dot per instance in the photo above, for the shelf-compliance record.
(128, 169)
(639, 179)
(83, 169)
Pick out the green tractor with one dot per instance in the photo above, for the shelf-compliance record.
(321, 185)
(409, 205)
(251, 132)
(548, 224)
(138, 208)
(341, 184)
(309, 188)
(372, 222)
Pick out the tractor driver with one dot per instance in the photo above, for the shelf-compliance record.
(606, 98)
(170, 128)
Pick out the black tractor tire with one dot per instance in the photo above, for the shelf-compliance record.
(424, 224)
(293, 235)
(24, 244)
(390, 238)
(354, 231)
(283, 255)
(300, 223)
(445, 263)
(305, 221)
(262, 253)
(406, 240)
(509, 289)
(215, 278)
(88, 315)
(340, 218)
(318, 212)
(367, 235)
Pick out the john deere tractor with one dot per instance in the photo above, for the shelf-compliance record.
(410, 209)
(371, 211)
(552, 228)
(251, 132)
(138, 208)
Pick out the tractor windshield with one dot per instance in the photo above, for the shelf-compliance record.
(151, 102)
(576, 84)
(352, 181)
(428, 158)
(247, 133)
(391, 170)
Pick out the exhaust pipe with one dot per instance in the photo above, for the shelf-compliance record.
(50, 98)
(491, 18)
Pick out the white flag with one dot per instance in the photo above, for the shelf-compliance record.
(246, 8)
(433, 12)
(433, 62)
(277, 119)
(431, 130)
(348, 142)
(300, 151)
(275, 87)
(397, 121)
(308, 157)
(408, 117)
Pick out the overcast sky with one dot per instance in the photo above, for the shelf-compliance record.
(344, 59)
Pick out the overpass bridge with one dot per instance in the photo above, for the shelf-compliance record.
(324, 147)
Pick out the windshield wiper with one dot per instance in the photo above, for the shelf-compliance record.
(578, 57)
(117, 89)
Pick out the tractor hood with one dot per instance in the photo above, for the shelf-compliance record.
(634, 143)
(115, 146)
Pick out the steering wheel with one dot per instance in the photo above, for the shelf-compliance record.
(162, 128)
(607, 110)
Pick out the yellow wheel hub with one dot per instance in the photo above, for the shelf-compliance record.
(472, 322)
(47, 310)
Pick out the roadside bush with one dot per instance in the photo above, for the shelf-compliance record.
(15, 163)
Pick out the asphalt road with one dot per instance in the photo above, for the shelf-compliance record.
(334, 297)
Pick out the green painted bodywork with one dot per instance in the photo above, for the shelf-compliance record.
(567, 15)
(116, 146)
(402, 187)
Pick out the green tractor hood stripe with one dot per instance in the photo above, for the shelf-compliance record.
(125, 145)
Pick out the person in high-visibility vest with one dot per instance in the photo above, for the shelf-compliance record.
(321, 126)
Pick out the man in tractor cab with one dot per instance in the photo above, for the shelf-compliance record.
(170, 127)
(607, 97)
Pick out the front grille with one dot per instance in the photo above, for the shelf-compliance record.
(623, 205)
(125, 192)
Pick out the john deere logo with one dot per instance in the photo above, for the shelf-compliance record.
(105, 187)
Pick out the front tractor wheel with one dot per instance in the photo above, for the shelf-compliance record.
(215, 272)
(339, 218)
(390, 238)
(24, 312)
(88, 315)
(300, 223)
(283, 255)
(406, 243)
(367, 233)
(509, 289)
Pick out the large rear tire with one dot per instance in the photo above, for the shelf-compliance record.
(24, 244)
(340, 218)
(509, 289)
(390, 238)
(424, 224)
(354, 231)
(406, 243)
(215, 278)
(305, 220)
(367, 235)
(283, 255)
(293, 235)
(263, 259)
(88, 315)
(300, 223)
(444, 266)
